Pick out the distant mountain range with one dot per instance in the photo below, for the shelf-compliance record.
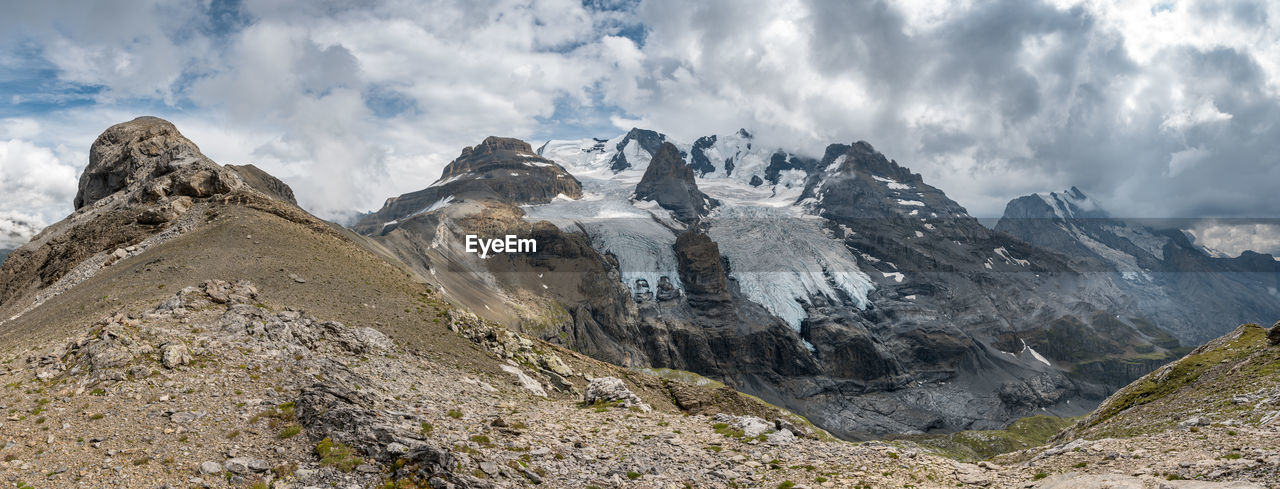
(843, 287)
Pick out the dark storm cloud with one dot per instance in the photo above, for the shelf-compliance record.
(1048, 90)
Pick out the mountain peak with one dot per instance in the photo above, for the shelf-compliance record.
(142, 149)
(493, 144)
(635, 148)
(498, 169)
(492, 151)
(1072, 203)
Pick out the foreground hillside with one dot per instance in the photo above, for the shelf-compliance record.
(1210, 416)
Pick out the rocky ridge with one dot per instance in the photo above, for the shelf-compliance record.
(1152, 263)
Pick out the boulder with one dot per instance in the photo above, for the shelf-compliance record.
(611, 389)
(247, 465)
(524, 381)
(175, 353)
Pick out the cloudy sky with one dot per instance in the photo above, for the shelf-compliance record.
(1157, 109)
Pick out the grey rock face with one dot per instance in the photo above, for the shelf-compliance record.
(700, 268)
(612, 389)
(647, 140)
(149, 149)
(669, 182)
(264, 182)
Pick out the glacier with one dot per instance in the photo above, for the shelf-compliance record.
(640, 237)
(749, 223)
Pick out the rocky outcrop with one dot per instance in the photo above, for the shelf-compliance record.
(141, 184)
(516, 347)
(149, 150)
(612, 391)
(701, 270)
(669, 182)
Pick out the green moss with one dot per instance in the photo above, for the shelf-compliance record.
(290, 431)
(729, 431)
(337, 455)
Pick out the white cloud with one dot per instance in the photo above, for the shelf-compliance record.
(1234, 238)
(1132, 101)
(1203, 113)
(35, 189)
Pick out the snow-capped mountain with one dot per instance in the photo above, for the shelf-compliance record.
(844, 286)
(1179, 283)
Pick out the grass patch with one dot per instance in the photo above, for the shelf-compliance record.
(278, 417)
(290, 431)
(337, 455)
(729, 431)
